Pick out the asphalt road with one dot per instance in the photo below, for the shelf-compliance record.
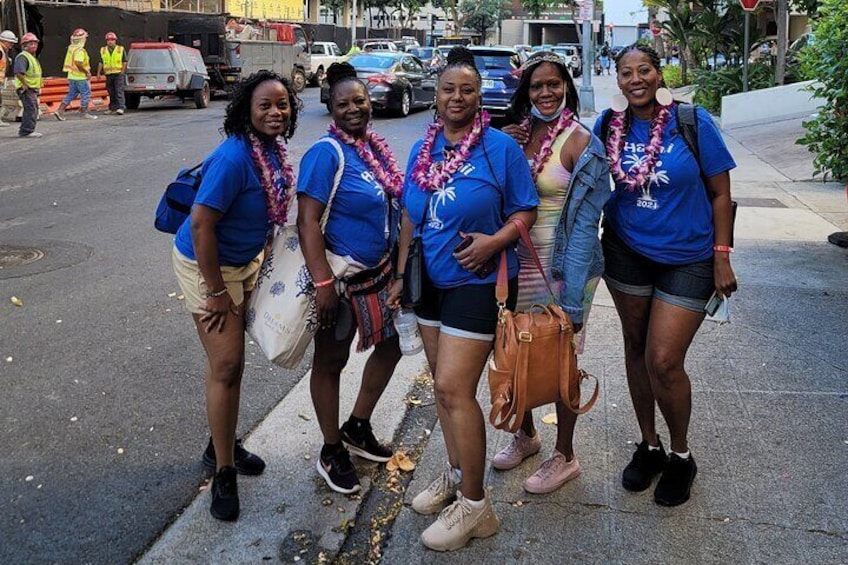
(102, 410)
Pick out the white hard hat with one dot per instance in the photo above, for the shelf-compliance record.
(9, 36)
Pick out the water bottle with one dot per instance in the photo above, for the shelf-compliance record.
(406, 324)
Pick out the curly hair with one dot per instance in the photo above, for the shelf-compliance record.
(520, 104)
(653, 56)
(237, 120)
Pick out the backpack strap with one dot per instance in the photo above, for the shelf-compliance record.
(605, 126)
(687, 125)
(337, 178)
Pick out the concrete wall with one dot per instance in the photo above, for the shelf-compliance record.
(512, 32)
(624, 35)
(768, 105)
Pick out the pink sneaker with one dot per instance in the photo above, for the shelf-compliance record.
(552, 474)
(522, 447)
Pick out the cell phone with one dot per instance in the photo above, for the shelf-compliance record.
(712, 304)
(486, 268)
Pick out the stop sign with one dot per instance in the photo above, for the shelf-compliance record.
(749, 5)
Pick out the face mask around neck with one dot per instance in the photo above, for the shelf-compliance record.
(555, 116)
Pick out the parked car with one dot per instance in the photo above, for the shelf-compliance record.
(162, 69)
(432, 57)
(571, 56)
(324, 54)
(380, 46)
(396, 81)
(497, 66)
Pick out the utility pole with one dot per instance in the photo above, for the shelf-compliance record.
(587, 92)
(782, 40)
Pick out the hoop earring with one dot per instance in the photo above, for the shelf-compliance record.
(619, 103)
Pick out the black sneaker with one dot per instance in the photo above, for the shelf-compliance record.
(225, 501)
(639, 473)
(360, 440)
(675, 484)
(335, 467)
(246, 463)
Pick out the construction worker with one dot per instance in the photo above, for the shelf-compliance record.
(112, 63)
(7, 40)
(28, 84)
(78, 66)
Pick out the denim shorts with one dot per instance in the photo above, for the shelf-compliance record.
(688, 286)
(80, 88)
(468, 311)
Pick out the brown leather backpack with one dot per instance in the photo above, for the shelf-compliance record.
(533, 362)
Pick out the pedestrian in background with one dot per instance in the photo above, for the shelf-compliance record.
(7, 40)
(245, 191)
(28, 83)
(362, 226)
(465, 183)
(78, 66)
(605, 58)
(114, 65)
(666, 243)
(569, 167)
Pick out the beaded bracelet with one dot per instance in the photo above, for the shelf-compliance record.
(327, 282)
(723, 248)
(216, 294)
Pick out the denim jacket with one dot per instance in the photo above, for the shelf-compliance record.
(577, 254)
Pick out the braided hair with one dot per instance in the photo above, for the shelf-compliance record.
(520, 104)
(652, 54)
(339, 73)
(461, 57)
(237, 118)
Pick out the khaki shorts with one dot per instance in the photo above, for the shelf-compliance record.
(238, 280)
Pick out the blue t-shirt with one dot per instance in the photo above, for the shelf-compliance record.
(231, 186)
(670, 221)
(478, 198)
(358, 222)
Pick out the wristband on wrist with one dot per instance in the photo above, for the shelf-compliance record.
(398, 276)
(216, 294)
(327, 282)
(723, 248)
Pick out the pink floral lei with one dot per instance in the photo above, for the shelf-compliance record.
(566, 118)
(375, 152)
(431, 175)
(276, 198)
(640, 174)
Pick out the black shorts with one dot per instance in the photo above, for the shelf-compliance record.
(688, 286)
(469, 311)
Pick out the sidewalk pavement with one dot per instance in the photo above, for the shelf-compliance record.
(769, 427)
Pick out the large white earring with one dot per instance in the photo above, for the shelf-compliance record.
(619, 103)
(664, 97)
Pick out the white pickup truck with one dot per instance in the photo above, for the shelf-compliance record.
(323, 54)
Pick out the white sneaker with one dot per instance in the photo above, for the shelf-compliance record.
(87, 116)
(3, 124)
(521, 447)
(439, 494)
(119, 111)
(33, 135)
(459, 523)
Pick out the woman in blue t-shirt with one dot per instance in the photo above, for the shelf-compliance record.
(464, 184)
(361, 227)
(666, 242)
(246, 189)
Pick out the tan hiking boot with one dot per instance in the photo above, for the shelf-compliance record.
(459, 523)
(60, 112)
(439, 494)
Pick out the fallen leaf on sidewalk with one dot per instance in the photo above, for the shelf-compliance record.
(303, 416)
(400, 461)
(412, 401)
(17, 301)
(518, 503)
(172, 294)
(550, 419)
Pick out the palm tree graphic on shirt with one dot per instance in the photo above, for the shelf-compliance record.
(440, 198)
(655, 178)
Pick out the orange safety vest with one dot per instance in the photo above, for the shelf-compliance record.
(4, 58)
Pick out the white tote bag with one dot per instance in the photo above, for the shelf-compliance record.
(281, 316)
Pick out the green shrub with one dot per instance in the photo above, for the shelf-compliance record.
(712, 85)
(672, 76)
(827, 59)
